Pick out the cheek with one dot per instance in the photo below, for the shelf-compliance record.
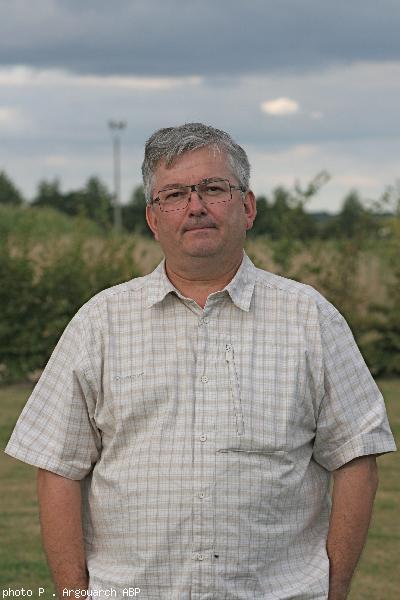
(237, 220)
(167, 231)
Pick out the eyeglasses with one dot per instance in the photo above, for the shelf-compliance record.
(210, 191)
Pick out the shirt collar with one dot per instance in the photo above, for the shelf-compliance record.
(240, 288)
(159, 285)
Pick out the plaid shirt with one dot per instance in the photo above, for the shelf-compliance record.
(205, 439)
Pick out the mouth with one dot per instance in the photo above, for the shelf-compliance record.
(199, 228)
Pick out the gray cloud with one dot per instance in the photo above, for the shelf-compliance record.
(339, 63)
(57, 126)
(176, 37)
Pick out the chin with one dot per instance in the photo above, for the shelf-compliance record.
(202, 251)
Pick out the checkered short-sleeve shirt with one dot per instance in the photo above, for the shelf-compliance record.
(204, 439)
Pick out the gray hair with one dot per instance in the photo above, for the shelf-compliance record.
(169, 143)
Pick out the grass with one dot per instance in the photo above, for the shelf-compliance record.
(23, 564)
(22, 560)
(377, 576)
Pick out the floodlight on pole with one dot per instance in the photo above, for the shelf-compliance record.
(116, 128)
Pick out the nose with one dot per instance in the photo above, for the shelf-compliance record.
(196, 206)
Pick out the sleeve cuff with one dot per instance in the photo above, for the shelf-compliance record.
(361, 445)
(45, 462)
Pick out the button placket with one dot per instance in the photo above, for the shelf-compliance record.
(203, 515)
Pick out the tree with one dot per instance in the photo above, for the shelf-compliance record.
(93, 201)
(312, 188)
(283, 215)
(134, 213)
(388, 205)
(262, 223)
(354, 220)
(351, 217)
(97, 202)
(9, 194)
(49, 194)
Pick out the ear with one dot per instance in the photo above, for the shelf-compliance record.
(152, 220)
(250, 209)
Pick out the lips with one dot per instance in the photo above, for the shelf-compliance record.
(199, 226)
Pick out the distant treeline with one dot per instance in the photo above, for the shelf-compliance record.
(60, 249)
(282, 214)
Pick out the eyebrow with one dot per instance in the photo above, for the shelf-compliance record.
(170, 186)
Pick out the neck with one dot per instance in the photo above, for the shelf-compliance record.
(198, 284)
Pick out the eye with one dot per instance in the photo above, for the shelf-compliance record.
(175, 195)
(213, 189)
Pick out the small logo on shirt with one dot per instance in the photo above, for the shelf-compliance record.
(126, 377)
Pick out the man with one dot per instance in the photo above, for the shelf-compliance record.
(198, 413)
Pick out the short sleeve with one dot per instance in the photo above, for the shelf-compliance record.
(56, 429)
(352, 418)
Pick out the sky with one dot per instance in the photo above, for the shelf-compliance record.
(302, 85)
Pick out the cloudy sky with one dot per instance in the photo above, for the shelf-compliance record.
(303, 85)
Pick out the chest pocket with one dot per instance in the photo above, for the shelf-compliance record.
(144, 399)
(264, 389)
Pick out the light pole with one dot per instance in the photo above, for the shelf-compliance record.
(116, 127)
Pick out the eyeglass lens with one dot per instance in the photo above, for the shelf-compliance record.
(210, 192)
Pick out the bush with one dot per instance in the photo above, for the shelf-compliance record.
(44, 284)
(34, 224)
(335, 267)
(383, 349)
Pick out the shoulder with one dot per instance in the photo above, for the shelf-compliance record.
(114, 297)
(295, 292)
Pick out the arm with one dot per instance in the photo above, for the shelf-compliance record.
(61, 525)
(354, 488)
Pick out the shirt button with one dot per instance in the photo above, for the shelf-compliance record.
(203, 437)
(201, 495)
(200, 556)
(206, 320)
(204, 379)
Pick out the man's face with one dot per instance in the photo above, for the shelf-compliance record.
(200, 230)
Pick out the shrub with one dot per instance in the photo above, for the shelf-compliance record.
(44, 283)
(383, 349)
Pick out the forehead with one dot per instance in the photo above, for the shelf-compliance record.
(192, 167)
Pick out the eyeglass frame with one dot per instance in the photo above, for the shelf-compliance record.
(193, 188)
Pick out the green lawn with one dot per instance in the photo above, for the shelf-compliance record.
(22, 562)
